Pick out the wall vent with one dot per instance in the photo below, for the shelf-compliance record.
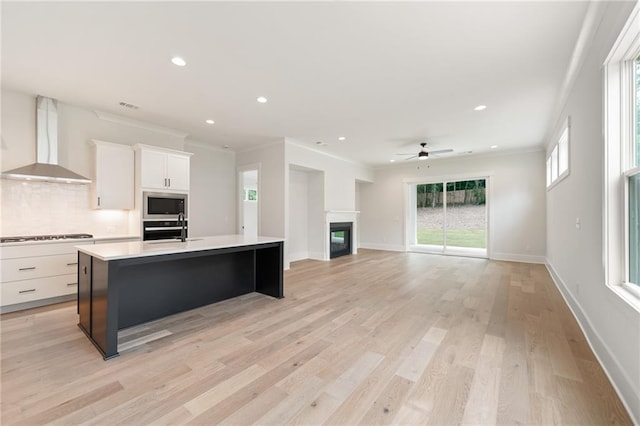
(128, 105)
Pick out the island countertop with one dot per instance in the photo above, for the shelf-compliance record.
(128, 250)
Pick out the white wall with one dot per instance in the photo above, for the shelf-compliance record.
(340, 176)
(299, 194)
(332, 177)
(50, 208)
(212, 196)
(575, 256)
(332, 186)
(271, 183)
(316, 215)
(516, 204)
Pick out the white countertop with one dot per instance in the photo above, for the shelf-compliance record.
(135, 249)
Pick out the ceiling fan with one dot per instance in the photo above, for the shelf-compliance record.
(423, 154)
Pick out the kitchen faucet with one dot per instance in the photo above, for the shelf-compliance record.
(183, 224)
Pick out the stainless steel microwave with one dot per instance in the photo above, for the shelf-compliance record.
(162, 205)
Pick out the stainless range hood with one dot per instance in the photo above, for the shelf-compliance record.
(46, 167)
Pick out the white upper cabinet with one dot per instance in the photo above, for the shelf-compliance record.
(178, 171)
(114, 181)
(163, 169)
(153, 169)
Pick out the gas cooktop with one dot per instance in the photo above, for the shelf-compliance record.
(44, 238)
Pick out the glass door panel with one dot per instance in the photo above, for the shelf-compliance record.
(466, 217)
(430, 214)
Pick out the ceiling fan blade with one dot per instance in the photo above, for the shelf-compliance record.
(402, 153)
(441, 151)
(410, 158)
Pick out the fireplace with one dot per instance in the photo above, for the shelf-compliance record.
(340, 239)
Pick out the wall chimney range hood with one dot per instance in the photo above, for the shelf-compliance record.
(46, 168)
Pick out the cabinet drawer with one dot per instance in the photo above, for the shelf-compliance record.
(39, 288)
(35, 267)
(48, 249)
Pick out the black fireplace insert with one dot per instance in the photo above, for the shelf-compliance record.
(340, 239)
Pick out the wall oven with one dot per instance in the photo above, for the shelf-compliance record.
(164, 229)
(163, 206)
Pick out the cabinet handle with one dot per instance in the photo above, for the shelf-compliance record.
(30, 268)
(27, 291)
(169, 179)
(72, 263)
(70, 284)
(98, 201)
(84, 270)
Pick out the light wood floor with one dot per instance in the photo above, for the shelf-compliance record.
(374, 338)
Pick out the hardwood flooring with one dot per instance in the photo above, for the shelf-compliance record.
(374, 338)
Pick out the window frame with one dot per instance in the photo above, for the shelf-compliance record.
(553, 158)
(619, 148)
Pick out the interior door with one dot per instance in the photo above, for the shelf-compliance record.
(248, 201)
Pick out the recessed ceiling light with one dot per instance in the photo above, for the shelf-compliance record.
(494, 146)
(480, 108)
(392, 161)
(262, 100)
(341, 138)
(210, 121)
(178, 61)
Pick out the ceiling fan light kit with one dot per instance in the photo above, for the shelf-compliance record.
(423, 154)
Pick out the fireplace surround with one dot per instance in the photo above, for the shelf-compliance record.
(338, 216)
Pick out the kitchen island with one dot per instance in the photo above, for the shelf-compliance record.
(124, 284)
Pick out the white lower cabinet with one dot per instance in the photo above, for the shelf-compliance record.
(24, 268)
(37, 272)
(38, 288)
(40, 273)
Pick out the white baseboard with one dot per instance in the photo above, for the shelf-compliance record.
(376, 246)
(513, 257)
(316, 255)
(612, 368)
(298, 256)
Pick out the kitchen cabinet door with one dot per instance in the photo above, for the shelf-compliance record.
(178, 172)
(114, 176)
(153, 169)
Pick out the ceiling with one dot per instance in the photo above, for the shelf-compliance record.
(384, 75)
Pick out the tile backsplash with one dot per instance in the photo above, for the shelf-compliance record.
(37, 208)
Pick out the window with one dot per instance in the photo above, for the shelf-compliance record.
(558, 160)
(633, 187)
(622, 162)
(250, 195)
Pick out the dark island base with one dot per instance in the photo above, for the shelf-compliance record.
(117, 294)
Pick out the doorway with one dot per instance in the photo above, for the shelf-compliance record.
(248, 200)
(450, 217)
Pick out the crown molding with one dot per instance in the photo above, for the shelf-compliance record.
(205, 145)
(326, 154)
(118, 119)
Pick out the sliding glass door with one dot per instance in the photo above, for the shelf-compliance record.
(451, 217)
